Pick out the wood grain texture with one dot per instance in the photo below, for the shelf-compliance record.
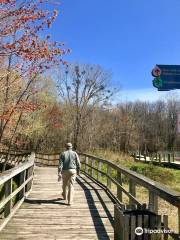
(45, 215)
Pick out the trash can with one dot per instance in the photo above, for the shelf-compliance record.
(133, 222)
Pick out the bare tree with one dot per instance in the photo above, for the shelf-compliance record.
(82, 88)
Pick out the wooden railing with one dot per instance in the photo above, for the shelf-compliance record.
(162, 159)
(21, 176)
(13, 158)
(122, 184)
(47, 159)
(106, 173)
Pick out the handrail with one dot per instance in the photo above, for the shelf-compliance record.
(97, 167)
(47, 159)
(13, 158)
(5, 176)
(16, 153)
(161, 159)
(167, 194)
(24, 176)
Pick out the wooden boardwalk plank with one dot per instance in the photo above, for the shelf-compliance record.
(44, 215)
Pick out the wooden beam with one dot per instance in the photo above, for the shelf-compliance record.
(8, 192)
(153, 202)
(86, 163)
(108, 176)
(21, 181)
(6, 175)
(119, 190)
(99, 169)
(132, 190)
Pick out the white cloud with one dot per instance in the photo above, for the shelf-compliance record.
(148, 94)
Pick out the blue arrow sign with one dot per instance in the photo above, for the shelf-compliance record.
(168, 77)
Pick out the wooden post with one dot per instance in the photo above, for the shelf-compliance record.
(23, 158)
(164, 157)
(31, 174)
(20, 158)
(132, 190)
(27, 188)
(21, 181)
(173, 156)
(119, 191)
(159, 158)
(28, 174)
(153, 202)
(8, 191)
(99, 168)
(121, 224)
(108, 173)
(92, 170)
(86, 167)
(169, 158)
(12, 159)
(152, 157)
(118, 231)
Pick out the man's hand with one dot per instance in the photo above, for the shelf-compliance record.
(59, 177)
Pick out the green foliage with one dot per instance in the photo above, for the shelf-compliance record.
(2, 190)
(156, 173)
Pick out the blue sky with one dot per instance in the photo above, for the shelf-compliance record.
(126, 37)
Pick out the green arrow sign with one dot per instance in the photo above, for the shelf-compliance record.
(157, 82)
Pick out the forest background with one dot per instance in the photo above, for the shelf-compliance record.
(46, 101)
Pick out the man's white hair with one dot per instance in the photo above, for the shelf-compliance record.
(68, 145)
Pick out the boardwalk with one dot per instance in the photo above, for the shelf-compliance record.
(161, 162)
(44, 215)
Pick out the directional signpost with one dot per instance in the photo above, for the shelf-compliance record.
(166, 77)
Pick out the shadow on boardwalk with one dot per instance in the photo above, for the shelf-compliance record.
(94, 213)
(51, 201)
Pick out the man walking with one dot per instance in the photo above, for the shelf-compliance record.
(69, 167)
